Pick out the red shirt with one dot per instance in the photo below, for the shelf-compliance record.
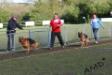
(56, 25)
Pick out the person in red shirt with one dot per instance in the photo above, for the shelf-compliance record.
(56, 24)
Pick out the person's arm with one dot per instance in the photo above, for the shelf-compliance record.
(51, 23)
(101, 24)
(60, 23)
(18, 26)
(91, 23)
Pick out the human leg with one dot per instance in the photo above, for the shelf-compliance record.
(13, 41)
(52, 40)
(9, 42)
(95, 33)
(60, 39)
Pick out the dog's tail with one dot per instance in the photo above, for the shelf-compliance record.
(86, 36)
(79, 34)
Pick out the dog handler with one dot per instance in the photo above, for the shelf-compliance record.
(56, 24)
(96, 24)
(11, 29)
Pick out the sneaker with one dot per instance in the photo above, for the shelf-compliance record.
(13, 50)
(96, 42)
(8, 49)
(63, 46)
(51, 48)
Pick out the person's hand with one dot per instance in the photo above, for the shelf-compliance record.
(59, 25)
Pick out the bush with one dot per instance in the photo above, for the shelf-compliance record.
(4, 15)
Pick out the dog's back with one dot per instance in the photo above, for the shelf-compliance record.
(33, 43)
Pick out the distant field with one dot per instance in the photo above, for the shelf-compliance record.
(96, 60)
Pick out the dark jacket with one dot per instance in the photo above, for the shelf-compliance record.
(12, 25)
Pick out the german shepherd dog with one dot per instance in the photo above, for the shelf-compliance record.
(28, 43)
(84, 40)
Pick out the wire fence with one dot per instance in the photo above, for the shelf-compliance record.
(42, 35)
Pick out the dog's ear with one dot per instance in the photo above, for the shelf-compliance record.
(79, 34)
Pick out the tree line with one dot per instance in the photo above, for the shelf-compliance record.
(72, 11)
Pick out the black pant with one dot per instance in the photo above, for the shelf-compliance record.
(58, 34)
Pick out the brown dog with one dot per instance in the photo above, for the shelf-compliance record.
(84, 40)
(28, 43)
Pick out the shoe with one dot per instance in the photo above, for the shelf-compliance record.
(63, 46)
(13, 50)
(96, 42)
(8, 50)
(50, 48)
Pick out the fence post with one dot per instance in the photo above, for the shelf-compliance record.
(29, 34)
(110, 32)
(49, 37)
(84, 28)
(65, 35)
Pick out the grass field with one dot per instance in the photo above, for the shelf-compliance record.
(70, 61)
(96, 60)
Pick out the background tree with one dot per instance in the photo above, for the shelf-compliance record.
(45, 10)
(4, 15)
(71, 11)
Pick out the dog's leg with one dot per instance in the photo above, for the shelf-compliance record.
(86, 44)
(28, 50)
(88, 41)
(82, 44)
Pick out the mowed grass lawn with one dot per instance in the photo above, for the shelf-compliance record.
(70, 61)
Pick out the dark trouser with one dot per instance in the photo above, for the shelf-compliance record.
(58, 34)
(95, 33)
(11, 41)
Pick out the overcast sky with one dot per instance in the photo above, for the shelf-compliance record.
(18, 1)
(22, 1)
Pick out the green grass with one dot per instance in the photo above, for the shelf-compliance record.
(63, 62)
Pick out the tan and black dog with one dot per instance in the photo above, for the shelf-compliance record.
(84, 39)
(28, 43)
